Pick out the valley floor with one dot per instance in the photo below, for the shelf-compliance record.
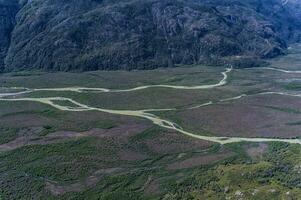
(184, 133)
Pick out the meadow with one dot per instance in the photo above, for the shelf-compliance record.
(47, 153)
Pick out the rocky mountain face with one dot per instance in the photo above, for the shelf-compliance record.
(77, 35)
(8, 10)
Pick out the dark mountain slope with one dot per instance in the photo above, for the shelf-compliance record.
(8, 10)
(63, 35)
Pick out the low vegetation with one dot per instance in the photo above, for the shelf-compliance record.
(52, 154)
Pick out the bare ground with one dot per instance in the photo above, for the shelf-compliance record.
(256, 151)
(200, 160)
(130, 155)
(122, 131)
(173, 142)
(253, 116)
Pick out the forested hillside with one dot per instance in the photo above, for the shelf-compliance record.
(80, 35)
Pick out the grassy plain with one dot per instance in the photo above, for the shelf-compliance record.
(50, 154)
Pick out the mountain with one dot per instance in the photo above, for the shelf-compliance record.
(79, 35)
(8, 10)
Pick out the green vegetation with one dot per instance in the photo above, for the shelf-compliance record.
(288, 110)
(294, 123)
(95, 155)
(46, 130)
(147, 134)
(274, 177)
(188, 75)
(7, 135)
(74, 155)
(293, 86)
(46, 113)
